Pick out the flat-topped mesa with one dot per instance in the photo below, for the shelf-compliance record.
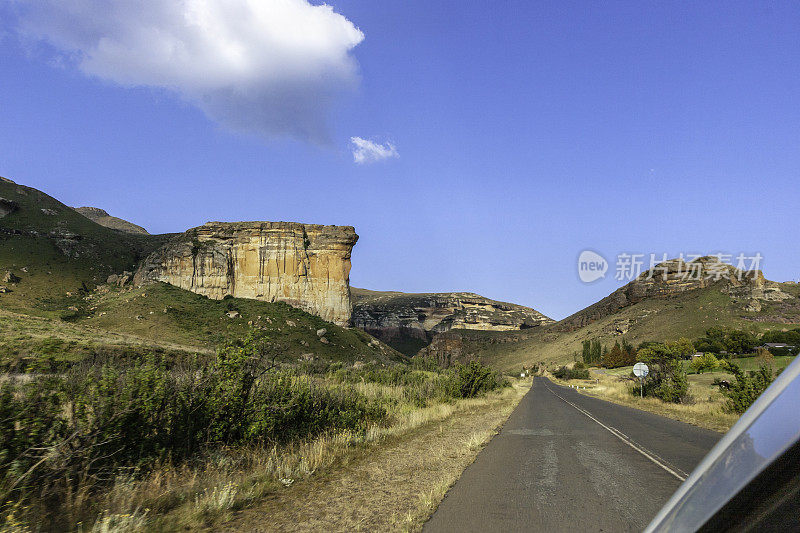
(304, 265)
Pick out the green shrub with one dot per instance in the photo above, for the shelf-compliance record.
(705, 363)
(576, 372)
(458, 381)
(745, 388)
(474, 379)
(92, 422)
(667, 378)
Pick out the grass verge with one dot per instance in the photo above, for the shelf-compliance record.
(393, 483)
(706, 409)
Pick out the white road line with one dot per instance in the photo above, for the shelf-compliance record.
(624, 439)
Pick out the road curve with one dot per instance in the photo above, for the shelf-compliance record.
(568, 462)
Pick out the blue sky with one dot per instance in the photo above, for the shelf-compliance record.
(525, 132)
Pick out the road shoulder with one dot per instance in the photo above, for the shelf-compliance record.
(394, 485)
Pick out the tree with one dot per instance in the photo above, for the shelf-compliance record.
(684, 347)
(628, 347)
(587, 351)
(737, 341)
(719, 339)
(615, 357)
(667, 378)
(597, 351)
(745, 389)
(791, 337)
(765, 357)
(705, 363)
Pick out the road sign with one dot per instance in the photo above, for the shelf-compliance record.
(640, 370)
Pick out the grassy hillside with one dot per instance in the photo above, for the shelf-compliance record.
(53, 249)
(125, 323)
(686, 314)
(55, 307)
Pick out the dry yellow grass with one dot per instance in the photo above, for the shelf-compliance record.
(705, 409)
(176, 498)
(394, 486)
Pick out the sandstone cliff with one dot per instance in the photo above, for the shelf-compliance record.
(673, 277)
(408, 322)
(305, 265)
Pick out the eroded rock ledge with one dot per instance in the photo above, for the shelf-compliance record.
(408, 322)
(675, 276)
(304, 265)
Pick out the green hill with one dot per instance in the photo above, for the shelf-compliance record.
(643, 310)
(53, 250)
(57, 308)
(115, 323)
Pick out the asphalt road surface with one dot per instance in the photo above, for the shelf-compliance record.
(567, 462)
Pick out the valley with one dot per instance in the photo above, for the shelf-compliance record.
(350, 376)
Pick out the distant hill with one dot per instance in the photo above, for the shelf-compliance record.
(648, 308)
(104, 219)
(409, 321)
(53, 249)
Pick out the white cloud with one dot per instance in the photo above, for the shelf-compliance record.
(271, 67)
(366, 151)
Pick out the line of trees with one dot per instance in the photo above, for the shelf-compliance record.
(667, 379)
(717, 340)
(596, 354)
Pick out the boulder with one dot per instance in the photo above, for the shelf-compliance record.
(7, 207)
(9, 277)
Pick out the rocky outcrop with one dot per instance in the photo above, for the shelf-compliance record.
(7, 207)
(407, 322)
(305, 265)
(104, 219)
(676, 276)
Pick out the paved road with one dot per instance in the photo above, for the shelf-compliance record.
(568, 462)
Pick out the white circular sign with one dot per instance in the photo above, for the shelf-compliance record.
(640, 370)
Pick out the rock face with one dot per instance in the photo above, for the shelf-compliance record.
(304, 265)
(408, 322)
(104, 219)
(676, 276)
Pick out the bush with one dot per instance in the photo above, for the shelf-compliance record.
(76, 432)
(667, 378)
(576, 372)
(458, 381)
(474, 379)
(705, 363)
(745, 388)
(58, 432)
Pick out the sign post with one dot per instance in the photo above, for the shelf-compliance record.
(640, 370)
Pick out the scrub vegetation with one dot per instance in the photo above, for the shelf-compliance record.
(84, 445)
